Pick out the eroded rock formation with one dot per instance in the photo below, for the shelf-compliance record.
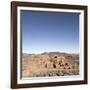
(49, 65)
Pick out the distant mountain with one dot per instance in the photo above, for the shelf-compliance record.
(67, 55)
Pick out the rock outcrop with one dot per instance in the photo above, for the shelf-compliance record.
(49, 65)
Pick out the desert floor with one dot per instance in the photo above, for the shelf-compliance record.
(50, 64)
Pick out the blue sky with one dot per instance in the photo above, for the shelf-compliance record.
(44, 31)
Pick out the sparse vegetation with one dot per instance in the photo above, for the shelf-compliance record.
(50, 64)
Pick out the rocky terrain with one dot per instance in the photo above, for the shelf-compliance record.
(50, 64)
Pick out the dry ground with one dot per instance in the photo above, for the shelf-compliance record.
(50, 64)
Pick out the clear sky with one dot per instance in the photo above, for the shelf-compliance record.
(44, 31)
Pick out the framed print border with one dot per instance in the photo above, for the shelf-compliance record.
(14, 43)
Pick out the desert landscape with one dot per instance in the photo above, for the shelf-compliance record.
(50, 44)
(49, 64)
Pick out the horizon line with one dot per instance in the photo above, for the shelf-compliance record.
(50, 52)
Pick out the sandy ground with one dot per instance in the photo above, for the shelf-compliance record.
(50, 64)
